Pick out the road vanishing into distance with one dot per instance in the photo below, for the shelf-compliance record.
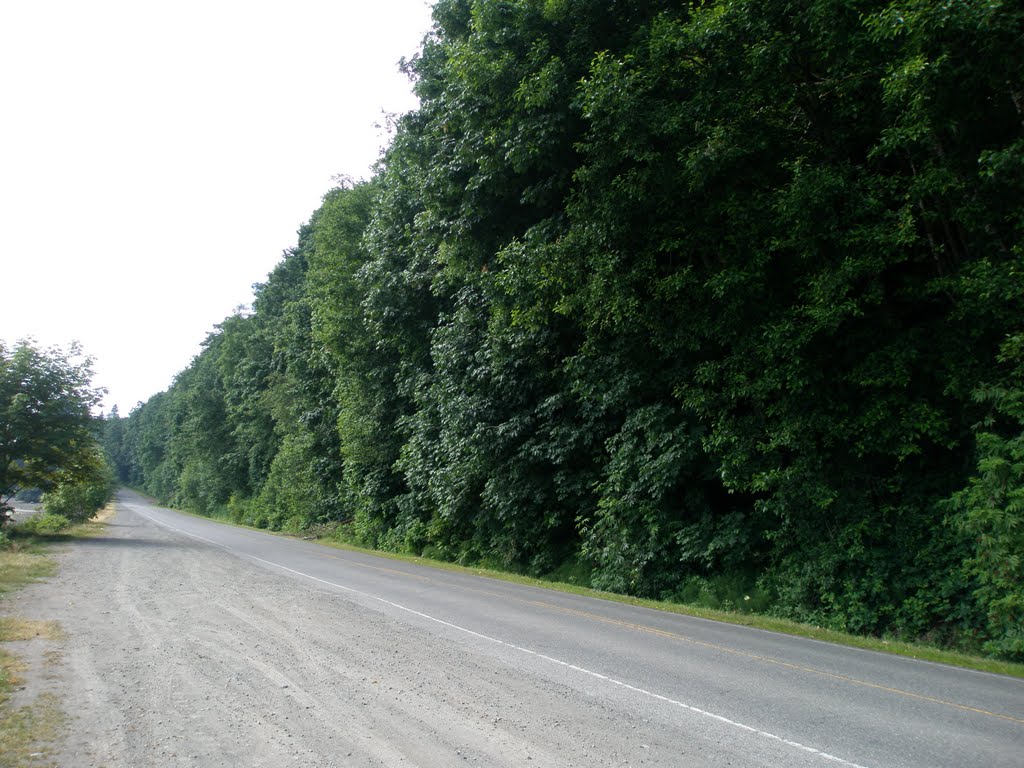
(194, 643)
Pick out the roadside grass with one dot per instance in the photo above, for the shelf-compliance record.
(23, 564)
(14, 628)
(29, 732)
(915, 650)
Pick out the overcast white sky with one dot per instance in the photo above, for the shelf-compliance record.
(157, 158)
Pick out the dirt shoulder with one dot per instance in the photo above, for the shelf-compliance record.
(31, 719)
(174, 653)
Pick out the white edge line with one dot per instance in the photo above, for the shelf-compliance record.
(513, 646)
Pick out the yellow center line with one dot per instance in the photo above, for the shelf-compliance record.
(766, 659)
(693, 641)
(328, 556)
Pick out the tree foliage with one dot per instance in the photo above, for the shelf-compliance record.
(82, 488)
(990, 510)
(672, 294)
(46, 425)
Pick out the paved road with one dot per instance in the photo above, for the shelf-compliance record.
(387, 663)
(23, 511)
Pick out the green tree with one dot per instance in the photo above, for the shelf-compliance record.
(681, 291)
(361, 311)
(83, 488)
(46, 422)
(113, 438)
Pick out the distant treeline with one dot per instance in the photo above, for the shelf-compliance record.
(716, 302)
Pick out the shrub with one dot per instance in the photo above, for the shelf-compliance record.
(78, 501)
(990, 510)
(45, 523)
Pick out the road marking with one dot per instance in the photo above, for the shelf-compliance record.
(682, 638)
(702, 643)
(582, 670)
(745, 654)
(326, 556)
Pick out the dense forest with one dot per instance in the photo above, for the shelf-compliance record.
(711, 301)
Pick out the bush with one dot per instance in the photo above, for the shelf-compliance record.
(239, 508)
(572, 571)
(201, 487)
(725, 592)
(82, 489)
(287, 500)
(78, 501)
(990, 510)
(45, 523)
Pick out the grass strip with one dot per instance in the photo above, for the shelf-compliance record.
(15, 628)
(23, 565)
(28, 734)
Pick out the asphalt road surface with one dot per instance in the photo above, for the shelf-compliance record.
(193, 643)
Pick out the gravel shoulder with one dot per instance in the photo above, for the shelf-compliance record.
(190, 644)
(177, 654)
